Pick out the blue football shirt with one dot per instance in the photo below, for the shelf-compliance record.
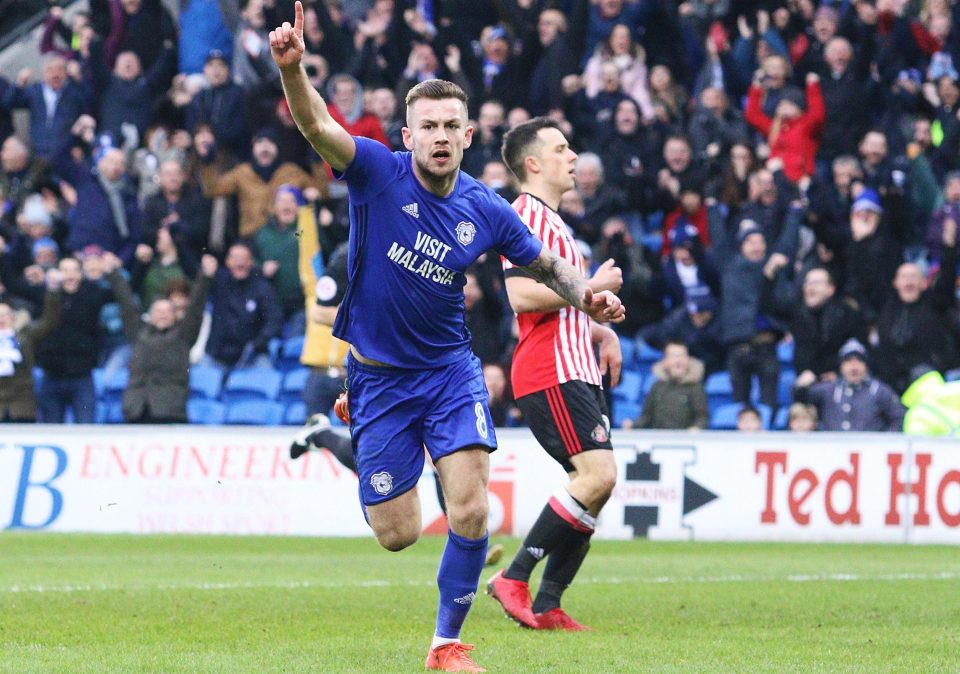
(408, 253)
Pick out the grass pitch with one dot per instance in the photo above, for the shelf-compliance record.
(86, 603)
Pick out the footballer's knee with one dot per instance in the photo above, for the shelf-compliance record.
(595, 480)
(469, 517)
(395, 540)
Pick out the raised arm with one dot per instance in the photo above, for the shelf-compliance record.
(329, 139)
(566, 281)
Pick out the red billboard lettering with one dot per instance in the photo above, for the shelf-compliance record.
(852, 479)
(897, 487)
(950, 519)
(795, 501)
(770, 460)
(802, 486)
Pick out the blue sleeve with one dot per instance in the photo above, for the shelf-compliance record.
(373, 167)
(515, 241)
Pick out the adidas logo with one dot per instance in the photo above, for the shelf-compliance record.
(537, 553)
(466, 599)
(412, 209)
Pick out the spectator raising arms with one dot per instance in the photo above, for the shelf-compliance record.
(159, 366)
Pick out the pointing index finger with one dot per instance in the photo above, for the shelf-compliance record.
(298, 18)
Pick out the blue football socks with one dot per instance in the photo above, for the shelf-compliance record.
(457, 579)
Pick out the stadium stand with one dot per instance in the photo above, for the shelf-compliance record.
(721, 225)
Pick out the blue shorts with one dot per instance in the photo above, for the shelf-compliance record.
(395, 412)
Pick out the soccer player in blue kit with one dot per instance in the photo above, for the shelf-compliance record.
(416, 224)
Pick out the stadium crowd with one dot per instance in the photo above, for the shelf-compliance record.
(778, 180)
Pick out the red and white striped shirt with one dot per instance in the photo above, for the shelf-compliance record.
(554, 347)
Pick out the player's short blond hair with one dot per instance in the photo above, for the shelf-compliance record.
(436, 90)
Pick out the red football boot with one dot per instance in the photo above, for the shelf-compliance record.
(514, 596)
(557, 619)
(452, 658)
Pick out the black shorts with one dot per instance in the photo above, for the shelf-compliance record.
(568, 419)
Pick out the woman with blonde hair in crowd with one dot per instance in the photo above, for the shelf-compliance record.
(668, 95)
(630, 58)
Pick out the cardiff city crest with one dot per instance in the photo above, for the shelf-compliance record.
(465, 232)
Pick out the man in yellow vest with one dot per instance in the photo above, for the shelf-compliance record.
(933, 406)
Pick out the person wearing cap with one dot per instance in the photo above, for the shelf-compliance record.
(688, 265)
(255, 182)
(873, 253)
(690, 210)
(33, 223)
(495, 74)
(694, 323)
(221, 105)
(916, 325)
(855, 401)
(46, 253)
(751, 324)
(792, 134)
(677, 400)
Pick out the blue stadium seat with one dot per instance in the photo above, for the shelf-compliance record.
(109, 412)
(205, 382)
(719, 390)
(785, 352)
(648, 383)
(629, 387)
(780, 421)
(289, 358)
(256, 383)
(273, 348)
(724, 418)
(653, 242)
(255, 413)
(952, 375)
(629, 350)
(785, 387)
(295, 414)
(646, 353)
(293, 383)
(110, 388)
(205, 412)
(623, 410)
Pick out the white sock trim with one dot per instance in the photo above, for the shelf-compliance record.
(576, 511)
(442, 641)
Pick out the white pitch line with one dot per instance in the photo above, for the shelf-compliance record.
(309, 584)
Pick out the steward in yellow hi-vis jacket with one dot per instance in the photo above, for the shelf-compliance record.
(933, 406)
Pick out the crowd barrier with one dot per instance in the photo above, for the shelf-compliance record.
(671, 486)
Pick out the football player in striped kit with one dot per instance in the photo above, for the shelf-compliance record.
(557, 383)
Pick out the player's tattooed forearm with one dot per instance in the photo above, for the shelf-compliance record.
(558, 275)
